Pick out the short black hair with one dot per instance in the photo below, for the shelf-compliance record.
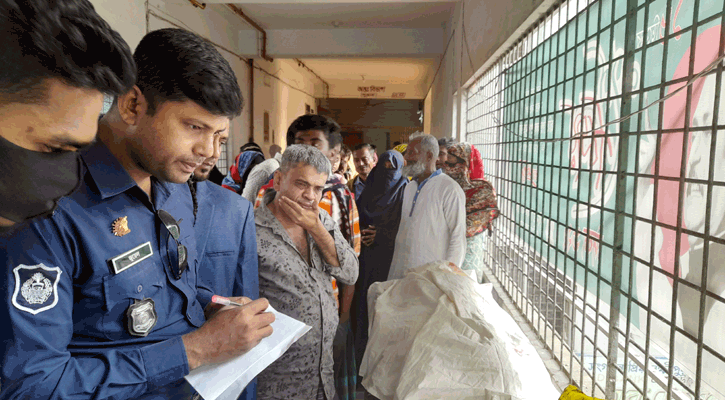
(65, 40)
(370, 148)
(310, 122)
(178, 65)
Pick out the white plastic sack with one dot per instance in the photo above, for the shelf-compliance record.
(437, 334)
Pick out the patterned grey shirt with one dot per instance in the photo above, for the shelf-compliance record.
(303, 292)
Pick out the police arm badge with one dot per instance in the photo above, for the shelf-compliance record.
(36, 288)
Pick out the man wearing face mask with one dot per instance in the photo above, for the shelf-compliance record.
(104, 299)
(57, 60)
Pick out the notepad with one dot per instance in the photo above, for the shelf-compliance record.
(227, 380)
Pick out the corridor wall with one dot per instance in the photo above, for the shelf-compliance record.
(281, 87)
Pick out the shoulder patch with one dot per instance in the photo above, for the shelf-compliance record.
(36, 288)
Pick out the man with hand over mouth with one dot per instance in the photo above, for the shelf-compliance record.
(300, 249)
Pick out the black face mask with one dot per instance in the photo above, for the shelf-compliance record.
(31, 182)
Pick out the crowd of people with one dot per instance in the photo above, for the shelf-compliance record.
(117, 231)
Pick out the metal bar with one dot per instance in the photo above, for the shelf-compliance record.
(526, 282)
(561, 14)
(627, 336)
(552, 44)
(607, 100)
(708, 212)
(587, 267)
(569, 168)
(680, 201)
(518, 194)
(621, 198)
(663, 79)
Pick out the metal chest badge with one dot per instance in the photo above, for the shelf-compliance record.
(120, 226)
(142, 317)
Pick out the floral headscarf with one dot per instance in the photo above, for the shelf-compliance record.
(481, 206)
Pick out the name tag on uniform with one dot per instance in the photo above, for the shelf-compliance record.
(130, 258)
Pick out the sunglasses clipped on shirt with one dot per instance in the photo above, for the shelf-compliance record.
(177, 259)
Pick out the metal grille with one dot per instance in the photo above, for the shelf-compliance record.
(222, 164)
(600, 131)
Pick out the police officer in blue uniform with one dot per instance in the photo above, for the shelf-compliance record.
(103, 298)
(57, 59)
(226, 239)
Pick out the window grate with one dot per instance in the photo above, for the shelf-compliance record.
(222, 164)
(611, 182)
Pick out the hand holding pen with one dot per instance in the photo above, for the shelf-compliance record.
(225, 301)
(234, 326)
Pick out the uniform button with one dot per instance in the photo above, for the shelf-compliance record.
(139, 288)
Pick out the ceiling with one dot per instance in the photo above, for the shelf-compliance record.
(393, 70)
(333, 14)
(341, 14)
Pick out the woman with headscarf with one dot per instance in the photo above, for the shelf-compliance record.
(379, 206)
(250, 155)
(481, 206)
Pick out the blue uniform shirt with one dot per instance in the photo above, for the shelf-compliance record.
(65, 331)
(226, 242)
(227, 246)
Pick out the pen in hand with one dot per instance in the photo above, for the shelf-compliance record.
(224, 301)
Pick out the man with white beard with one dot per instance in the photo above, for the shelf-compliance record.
(433, 220)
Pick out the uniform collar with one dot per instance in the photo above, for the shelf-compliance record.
(106, 171)
(112, 179)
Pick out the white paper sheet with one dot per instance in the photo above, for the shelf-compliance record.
(227, 380)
